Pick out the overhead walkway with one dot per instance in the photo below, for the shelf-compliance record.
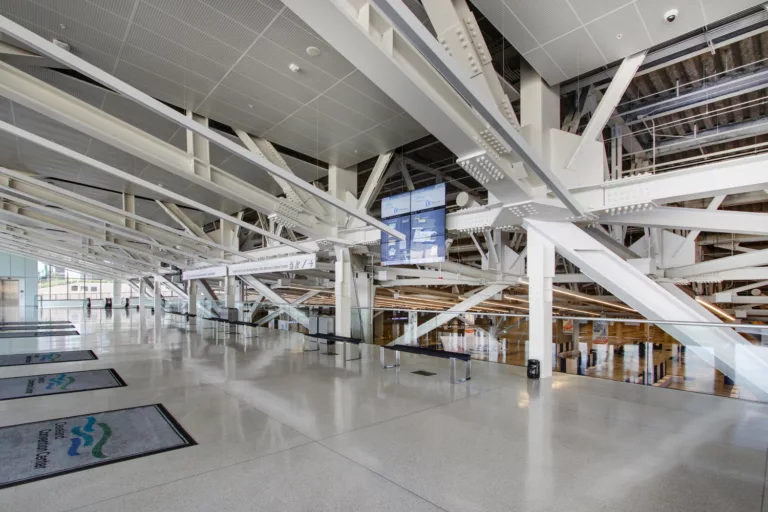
(733, 355)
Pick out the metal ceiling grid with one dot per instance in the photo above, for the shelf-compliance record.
(565, 38)
(229, 61)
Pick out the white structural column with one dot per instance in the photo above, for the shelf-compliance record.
(116, 293)
(364, 299)
(541, 270)
(142, 293)
(192, 301)
(539, 107)
(158, 298)
(430, 325)
(611, 98)
(343, 289)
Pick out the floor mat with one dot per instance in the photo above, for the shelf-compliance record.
(55, 322)
(44, 449)
(36, 327)
(58, 383)
(37, 334)
(46, 357)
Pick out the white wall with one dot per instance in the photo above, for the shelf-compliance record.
(23, 269)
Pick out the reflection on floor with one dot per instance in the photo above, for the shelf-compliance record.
(282, 429)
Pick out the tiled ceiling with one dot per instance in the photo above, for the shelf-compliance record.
(229, 60)
(563, 39)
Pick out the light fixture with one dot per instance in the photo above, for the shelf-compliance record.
(715, 309)
(294, 67)
(619, 36)
(313, 51)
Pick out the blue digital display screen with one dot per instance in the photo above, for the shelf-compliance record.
(394, 251)
(424, 227)
(396, 205)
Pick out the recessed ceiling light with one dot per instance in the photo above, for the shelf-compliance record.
(294, 67)
(250, 106)
(313, 51)
(619, 36)
(62, 26)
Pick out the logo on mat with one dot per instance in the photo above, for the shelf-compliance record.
(53, 356)
(61, 382)
(85, 436)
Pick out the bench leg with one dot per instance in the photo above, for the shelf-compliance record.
(383, 362)
(359, 353)
(468, 368)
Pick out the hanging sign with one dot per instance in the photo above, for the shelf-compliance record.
(567, 326)
(600, 332)
(204, 273)
(286, 264)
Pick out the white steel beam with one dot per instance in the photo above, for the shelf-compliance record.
(275, 298)
(447, 316)
(608, 104)
(504, 133)
(181, 218)
(101, 166)
(209, 294)
(375, 180)
(734, 356)
(750, 259)
(694, 234)
(178, 290)
(408, 64)
(46, 47)
(695, 219)
(705, 181)
(39, 190)
(458, 31)
(281, 310)
(266, 150)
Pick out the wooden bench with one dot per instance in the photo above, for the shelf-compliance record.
(331, 339)
(453, 356)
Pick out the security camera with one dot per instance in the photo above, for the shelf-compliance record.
(671, 16)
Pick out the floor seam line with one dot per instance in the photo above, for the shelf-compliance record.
(384, 477)
(191, 476)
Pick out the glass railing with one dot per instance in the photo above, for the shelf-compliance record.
(719, 359)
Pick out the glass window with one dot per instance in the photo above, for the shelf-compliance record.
(76, 284)
(43, 280)
(58, 285)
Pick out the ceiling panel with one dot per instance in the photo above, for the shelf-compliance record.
(197, 15)
(691, 17)
(259, 107)
(620, 33)
(172, 29)
(589, 10)
(295, 36)
(361, 83)
(575, 53)
(359, 102)
(278, 59)
(546, 19)
(587, 30)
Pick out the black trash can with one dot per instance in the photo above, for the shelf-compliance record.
(108, 303)
(534, 368)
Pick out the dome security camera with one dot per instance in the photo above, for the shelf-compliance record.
(671, 16)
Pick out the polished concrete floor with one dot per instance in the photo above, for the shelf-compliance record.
(280, 429)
